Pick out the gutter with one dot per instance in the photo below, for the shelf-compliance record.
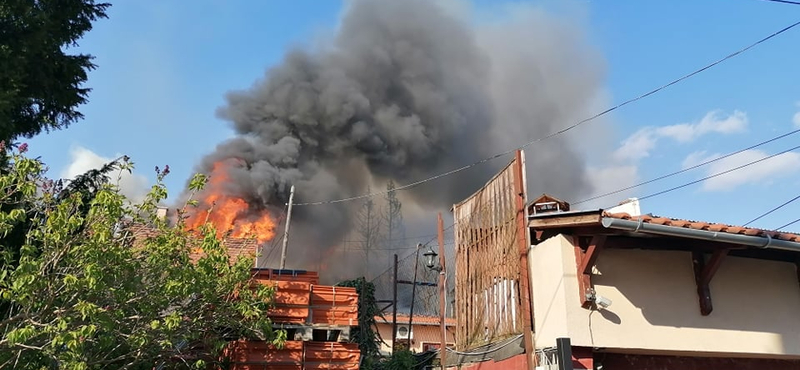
(763, 242)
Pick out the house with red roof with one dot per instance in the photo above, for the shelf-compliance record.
(419, 334)
(539, 285)
(617, 289)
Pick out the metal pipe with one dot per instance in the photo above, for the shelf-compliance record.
(767, 242)
(564, 350)
(286, 231)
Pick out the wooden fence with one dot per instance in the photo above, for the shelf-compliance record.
(492, 299)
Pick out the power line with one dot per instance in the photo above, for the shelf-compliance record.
(347, 249)
(772, 210)
(562, 131)
(787, 225)
(784, 2)
(688, 168)
(717, 174)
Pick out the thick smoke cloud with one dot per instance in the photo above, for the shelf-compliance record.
(403, 91)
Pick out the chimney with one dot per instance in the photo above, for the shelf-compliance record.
(547, 204)
(161, 212)
(629, 206)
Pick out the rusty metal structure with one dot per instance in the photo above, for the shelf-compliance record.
(491, 237)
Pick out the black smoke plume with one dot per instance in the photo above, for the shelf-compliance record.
(405, 90)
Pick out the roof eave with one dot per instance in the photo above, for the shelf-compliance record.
(762, 242)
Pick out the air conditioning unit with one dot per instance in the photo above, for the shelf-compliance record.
(404, 332)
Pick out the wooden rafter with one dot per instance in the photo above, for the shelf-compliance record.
(585, 261)
(704, 271)
(590, 257)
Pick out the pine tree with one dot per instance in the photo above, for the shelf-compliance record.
(41, 82)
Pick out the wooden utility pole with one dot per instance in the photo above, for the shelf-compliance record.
(524, 244)
(394, 305)
(286, 229)
(442, 294)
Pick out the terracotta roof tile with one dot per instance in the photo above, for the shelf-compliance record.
(237, 247)
(699, 225)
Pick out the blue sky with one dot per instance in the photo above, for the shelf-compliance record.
(164, 69)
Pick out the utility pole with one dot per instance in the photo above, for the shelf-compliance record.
(442, 293)
(394, 305)
(286, 231)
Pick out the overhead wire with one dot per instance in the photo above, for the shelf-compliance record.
(480, 353)
(718, 174)
(784, 2)
(784, 204)
(563, 130)
(707, 162)
(787, 225)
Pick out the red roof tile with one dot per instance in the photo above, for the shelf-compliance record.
(237, 247)
(699, 225)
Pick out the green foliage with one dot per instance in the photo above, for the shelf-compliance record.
(79, 293)
(366, 334)
(400, 360)
(41, 85)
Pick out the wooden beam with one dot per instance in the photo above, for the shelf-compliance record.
(591, 219)
(584, 280)
(712, 265)
(523, 240)
(797, 268)
(590, 257)
(703, 273)
(663, 243)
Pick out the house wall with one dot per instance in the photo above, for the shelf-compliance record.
(421, 334)
(655, 305)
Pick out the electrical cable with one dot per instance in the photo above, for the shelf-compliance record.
(509, 341)
(563, 130)
(717, 174)
(787, 225)
(784, 2)
(772, 210)
(688, 168)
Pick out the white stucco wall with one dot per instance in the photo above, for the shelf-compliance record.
(655, 305)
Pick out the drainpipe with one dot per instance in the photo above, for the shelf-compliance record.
(764, 242)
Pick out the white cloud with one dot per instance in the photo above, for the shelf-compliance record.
(642, 142)
(796, 117)
(638, 145)
(698, 157)
(713, 122)
(133, 186)
(780, 166)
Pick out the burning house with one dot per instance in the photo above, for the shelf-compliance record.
(401, 91)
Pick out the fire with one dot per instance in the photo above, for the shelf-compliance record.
(229, 214)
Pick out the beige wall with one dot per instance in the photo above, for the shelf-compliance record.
(655, 305)
(422, 334)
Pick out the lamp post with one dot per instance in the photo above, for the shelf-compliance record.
(430, 260)
(431, 263)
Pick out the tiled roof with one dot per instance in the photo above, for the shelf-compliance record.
(422, 320)
(706, 226)
(237, 247)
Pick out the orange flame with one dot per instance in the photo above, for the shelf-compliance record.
(229, 214)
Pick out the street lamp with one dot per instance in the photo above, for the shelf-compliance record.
(430, 260)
